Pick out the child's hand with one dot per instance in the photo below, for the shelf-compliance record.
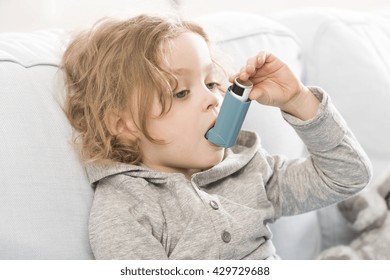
(276, 85)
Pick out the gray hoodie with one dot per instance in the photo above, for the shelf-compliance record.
(223, 212)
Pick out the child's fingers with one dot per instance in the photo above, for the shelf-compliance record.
(260, 95)
(249, 69)
(238, 75)
(256, 62)
(243, 76)
(255, 94)
(251, 63)
(261, 58)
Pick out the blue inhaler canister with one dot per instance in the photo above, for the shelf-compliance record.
(232, 114)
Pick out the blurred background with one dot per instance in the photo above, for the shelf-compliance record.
(28, 15)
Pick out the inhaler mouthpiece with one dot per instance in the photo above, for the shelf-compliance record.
(232, 114)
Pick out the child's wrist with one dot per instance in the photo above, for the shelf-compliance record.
(303, 106)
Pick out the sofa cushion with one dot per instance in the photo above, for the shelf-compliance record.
(347, 53)
(44, 194)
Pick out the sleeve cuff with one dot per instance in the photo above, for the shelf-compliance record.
(325, 130)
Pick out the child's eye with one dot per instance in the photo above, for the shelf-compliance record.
(181, 94)
(212, 85)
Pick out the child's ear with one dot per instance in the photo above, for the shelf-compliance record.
(122, 124)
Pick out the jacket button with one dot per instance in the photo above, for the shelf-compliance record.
(214, 205)
(226, 236)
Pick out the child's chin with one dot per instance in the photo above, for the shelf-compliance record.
(215, 161)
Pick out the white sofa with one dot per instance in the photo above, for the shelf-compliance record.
(44, 194)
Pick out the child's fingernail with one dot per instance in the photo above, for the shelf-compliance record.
(264, 57)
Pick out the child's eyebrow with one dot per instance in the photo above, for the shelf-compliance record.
(183, 71)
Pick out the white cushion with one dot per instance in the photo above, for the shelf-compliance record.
(44, 194)
(347, 53)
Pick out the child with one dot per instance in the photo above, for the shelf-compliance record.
(142, 93)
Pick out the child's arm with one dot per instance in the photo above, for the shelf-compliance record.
(276, 85)
(115, 233)
(337, 166)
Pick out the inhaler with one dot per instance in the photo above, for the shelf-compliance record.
(232, 114)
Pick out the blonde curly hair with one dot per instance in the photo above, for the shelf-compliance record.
(118, 66)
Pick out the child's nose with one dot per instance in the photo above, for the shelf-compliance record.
(211, 101)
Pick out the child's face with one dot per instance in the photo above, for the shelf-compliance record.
(194, 110)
